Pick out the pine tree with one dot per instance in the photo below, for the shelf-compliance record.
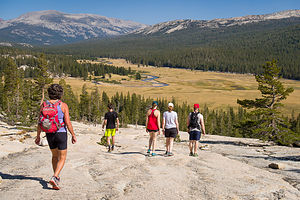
(96, 106)
(70, 99)
(30, 103)
(12, 92)
(105, 99)
(42, 76)
(84, 105)
(1, 92)
(265, 120)
(138, 76)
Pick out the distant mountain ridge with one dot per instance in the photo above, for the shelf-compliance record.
(54, 27)
(177, 25)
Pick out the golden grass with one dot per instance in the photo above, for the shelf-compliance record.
(217, 90)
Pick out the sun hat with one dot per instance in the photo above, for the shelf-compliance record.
(171, 105)
(196, 106)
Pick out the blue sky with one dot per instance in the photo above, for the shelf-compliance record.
(150, 11)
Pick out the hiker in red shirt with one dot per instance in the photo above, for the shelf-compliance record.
(153, 126)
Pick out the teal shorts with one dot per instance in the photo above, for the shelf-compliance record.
(110, 132)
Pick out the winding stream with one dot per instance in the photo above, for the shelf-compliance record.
(151, 79)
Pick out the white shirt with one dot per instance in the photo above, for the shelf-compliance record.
(170, 119)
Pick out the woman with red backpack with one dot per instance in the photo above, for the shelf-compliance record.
(54, 120)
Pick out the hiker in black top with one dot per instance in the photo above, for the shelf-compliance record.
(110, 119)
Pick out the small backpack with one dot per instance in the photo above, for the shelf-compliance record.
(194, 120)
(49, 117)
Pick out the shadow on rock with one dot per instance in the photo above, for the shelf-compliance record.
(285, 158)
(130, 153)
(294, 170)
(236, 143)
(22, 177)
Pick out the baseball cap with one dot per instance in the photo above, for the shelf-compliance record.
(171, 105)
(196, 106)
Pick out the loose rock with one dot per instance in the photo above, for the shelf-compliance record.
(204, 147)
(276, 166)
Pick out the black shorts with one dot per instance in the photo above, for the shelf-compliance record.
(150, 131)
(57, 140)
(172, 132)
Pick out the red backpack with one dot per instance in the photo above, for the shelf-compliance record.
(49, 117)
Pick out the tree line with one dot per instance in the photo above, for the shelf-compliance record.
(20, 99)
(58, 65)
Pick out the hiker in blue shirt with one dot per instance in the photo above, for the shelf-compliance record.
(57, 139)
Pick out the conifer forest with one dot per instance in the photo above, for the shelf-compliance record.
(22, 90)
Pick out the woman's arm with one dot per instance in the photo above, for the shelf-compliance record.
(158, 121)
(147, 120)
(39, 130)
(163, 124)
(177, 124)
(202, 125)
(38, 135)
(67, 120)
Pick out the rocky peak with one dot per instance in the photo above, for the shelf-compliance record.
(50, 26)
(172, 26)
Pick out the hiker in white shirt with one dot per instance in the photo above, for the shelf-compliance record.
(170, 128)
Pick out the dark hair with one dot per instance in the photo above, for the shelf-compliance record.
(55, 91)
(110, 106)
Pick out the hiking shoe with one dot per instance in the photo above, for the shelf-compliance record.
(191, 154)
(109, 149)
(54, 182)
(195, 155)
(112, 147)
(170, 154)
(154, 154)
(148, 151)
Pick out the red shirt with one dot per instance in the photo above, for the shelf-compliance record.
(152, 121)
